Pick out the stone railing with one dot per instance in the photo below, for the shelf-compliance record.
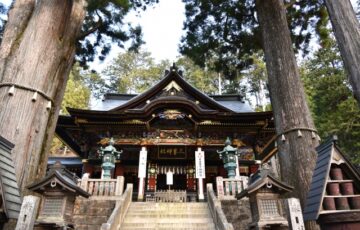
(227, 188)
(217, 213)
(118, 215)
(102, 187)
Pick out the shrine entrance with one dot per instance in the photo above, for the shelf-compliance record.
(179, 182)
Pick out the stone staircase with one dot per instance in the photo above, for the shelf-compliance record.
(165, 216)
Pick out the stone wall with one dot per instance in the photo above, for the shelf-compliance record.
(237, 212)
(90, 214)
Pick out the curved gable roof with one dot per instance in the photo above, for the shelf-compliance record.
(172, 76)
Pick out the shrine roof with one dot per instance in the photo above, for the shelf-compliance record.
(111, 101)
(264, 178)
(58, 174)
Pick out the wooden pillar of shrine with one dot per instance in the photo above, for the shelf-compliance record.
(119, 169)
(87, 168)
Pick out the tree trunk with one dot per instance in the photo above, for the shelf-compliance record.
(347, 33)
(297, 153)
(37, 53)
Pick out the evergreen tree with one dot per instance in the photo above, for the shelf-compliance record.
(292, 115)
(347, 32)
(228, 31)
(334, 109)
(134, 72)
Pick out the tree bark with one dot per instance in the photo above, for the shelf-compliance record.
(37, 53)
(347, 33)
(297, 153)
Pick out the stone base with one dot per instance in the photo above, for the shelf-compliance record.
(237, 213)
(91, 214)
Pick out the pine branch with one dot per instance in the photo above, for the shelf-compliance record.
(97, 25)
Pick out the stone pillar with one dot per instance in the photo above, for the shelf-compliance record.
(142, 172)
(84, 181)
(294, 214)
(220, 187)
(200, 171)
(28, 213)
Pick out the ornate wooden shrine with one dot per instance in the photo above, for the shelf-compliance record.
(162, 128)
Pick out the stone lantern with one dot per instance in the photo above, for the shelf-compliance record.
(109, 154)
(229, 156)
(59, 190)
(264, 194)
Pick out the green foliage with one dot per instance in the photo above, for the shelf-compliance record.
(104, 22)
(203, 79)
(334, 109)
(77, 94)
(228, 31)
(256, 78)
(134, 72)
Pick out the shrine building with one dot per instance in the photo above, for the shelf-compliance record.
(162, 130)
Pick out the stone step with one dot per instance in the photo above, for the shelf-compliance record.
(167, 226)
(167, 215)
(168, 210)
(168, 220)
(168, 207)
(147, 204)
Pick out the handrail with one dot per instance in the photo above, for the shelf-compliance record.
(118, 215)
(217, 213)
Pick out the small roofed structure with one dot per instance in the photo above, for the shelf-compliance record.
(10, 199)
(334, 196)
(265, 192)
(59, 190)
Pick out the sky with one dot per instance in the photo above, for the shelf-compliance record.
(162, 26)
